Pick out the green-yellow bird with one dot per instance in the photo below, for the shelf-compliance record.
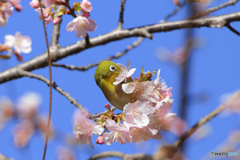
(105, 75)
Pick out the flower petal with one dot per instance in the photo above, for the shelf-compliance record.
(131, 72)
(129, 87)
(71, 26)
(97, 129)
(92, 25)
(9, 40)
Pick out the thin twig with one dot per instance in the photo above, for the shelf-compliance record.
(96, 116)
(70, 9)
(175, 11)
(118, 55)
(185, 69)
(50, 83)
(55, 86)
(213, 9)
(122, 7)
(232, 29)
(60, 53)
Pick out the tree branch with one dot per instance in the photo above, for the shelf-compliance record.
(55, 86)
(138, 156)
(213, 9)
(175, 11)
(120, 22)
(57, 54)
(55, 33)
(232, 29)
(118, 55)
(2, 157)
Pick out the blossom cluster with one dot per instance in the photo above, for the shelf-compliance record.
(140, 120)
(16, 44)
(29, 119)
(54, 9)
(6, 8)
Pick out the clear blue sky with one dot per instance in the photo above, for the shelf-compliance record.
(214, 70)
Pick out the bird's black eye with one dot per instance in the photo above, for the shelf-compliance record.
(112, 68)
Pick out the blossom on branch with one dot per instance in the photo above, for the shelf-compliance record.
(19, 43)
(120, 133)
(86, 6)
(83, 129)
(125, 73)
(81, 25)
(143, 118)
(5, 13)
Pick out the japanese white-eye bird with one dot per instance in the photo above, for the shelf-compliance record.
(105, 75)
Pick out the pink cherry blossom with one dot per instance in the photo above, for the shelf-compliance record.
(16, 4)
(81, 25)
(119, 133)
(86, 14)
(56, 20)
(83, 130)
(6, 111)
(5, 13)
(65, 153)
(86, 6)
(100, 140)
(166, 121)
(48, 3)
(143, 91)
(48, 19)
(125, 73)
(19, 43)
(23, 132)
(34, 4)
(137, 113)
(179, 126)
(28, 104)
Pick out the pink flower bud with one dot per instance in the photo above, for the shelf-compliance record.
(56, 20)
(100, 140)
(86, 14)
(46, 14)
(107, 106)
(34, 4)
(18, 7)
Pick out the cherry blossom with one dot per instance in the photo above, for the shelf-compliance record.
(48, 18)
(137, 113)
(23, 132)
(120, 133)
(81, 25)
(34, 4)
(86, 6)
(6, 111)
(19, 43)
(65, 153)
(83, 130)
(5, 13)
(48, 3)
(16, 4)
(125, 73)
(56, 20)
(28, 104)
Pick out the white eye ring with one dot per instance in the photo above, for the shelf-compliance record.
(112, 68)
